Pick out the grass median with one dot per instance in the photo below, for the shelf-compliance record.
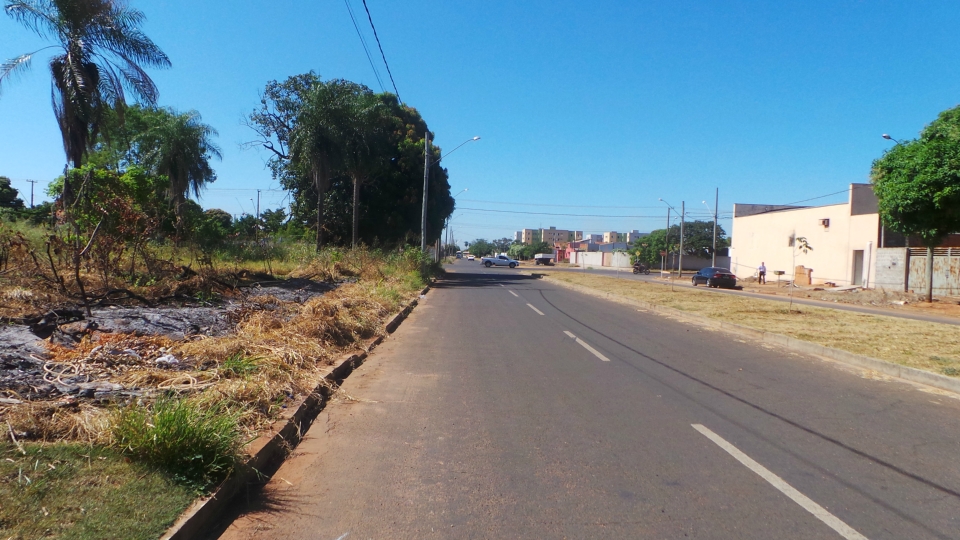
(923, 345)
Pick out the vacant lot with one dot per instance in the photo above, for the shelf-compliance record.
(923, 345)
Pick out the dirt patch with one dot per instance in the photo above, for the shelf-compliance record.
(65, 353)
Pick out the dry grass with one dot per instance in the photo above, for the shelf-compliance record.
(274, 357)
(924, 345)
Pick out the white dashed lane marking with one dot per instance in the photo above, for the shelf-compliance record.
(585, 345)
(535, 309)
(515, 294)
(818, 511)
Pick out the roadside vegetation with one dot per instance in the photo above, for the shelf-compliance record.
(923, 345)
(93, 418)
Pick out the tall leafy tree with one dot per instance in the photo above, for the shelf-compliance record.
(101, 54)
(9, 195)
(305, 139)
(917, 184)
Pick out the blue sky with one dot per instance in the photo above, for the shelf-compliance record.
(588, 108)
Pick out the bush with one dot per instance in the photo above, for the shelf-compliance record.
(199, 447)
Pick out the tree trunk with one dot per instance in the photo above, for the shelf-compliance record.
(321, 182)
(356, 200)
(929, 274)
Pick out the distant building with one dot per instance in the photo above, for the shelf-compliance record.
(633, 236)
(552, 236)
(593, 238)
(611, 236)
(518, 236)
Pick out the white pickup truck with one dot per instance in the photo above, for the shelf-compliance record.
(499, 260)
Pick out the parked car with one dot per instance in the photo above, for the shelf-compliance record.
(499, 260)
(543, 258)
(715, 277)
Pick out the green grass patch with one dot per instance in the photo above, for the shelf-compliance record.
(239, 366)
(198, 446)
(77, 491)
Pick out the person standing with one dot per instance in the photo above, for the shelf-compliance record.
(762, 273)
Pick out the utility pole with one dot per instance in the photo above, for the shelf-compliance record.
(716, 201)
(666, 241)
(426, 180)
(32, 182)
(683, 215)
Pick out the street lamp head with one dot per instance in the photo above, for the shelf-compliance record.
(661, 200)
(887, 137)
(476, 139)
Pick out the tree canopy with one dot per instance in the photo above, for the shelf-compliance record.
(101, 56)
(9, 196)
(917, 183)
(335, 142)
(697, 241)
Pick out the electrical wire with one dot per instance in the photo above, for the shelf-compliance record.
(820, 197)
(364, 43)
(554, 214)
(557, 205)
(370, 18)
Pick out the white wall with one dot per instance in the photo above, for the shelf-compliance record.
(765, 238)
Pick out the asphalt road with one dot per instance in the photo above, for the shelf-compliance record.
(506, 407)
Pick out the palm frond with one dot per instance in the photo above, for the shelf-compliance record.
(13, 67)
(37, 15)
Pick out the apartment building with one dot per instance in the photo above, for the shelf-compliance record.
(551, 236)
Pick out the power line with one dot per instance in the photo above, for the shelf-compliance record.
(658, 216)
(560, 205)
(820, 197)
(364, 43)
(369, 18)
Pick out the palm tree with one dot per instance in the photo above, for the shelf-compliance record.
(179, 146)
(101, 54)
(316, 148)
(363, 139)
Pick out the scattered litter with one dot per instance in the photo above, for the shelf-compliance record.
(9, 401)
(168, 359)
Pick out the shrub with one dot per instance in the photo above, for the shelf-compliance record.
(197, 446)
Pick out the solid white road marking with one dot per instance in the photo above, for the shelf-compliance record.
(513, 293)
(535, 309)
(818, 511)
(585, 345)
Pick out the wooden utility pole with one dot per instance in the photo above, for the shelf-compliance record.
(426, 180)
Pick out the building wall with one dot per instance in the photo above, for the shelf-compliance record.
(633, 236)
(765, 237)
(611, 236)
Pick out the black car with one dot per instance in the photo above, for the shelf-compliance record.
(715, 277)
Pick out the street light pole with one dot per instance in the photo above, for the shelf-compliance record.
(683, 212)
(889, 138)
(426, 180)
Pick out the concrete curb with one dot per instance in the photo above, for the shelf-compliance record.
(887, 368)
(274, 444)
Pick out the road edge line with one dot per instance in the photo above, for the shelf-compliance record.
(867, 362)
(277, 441)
